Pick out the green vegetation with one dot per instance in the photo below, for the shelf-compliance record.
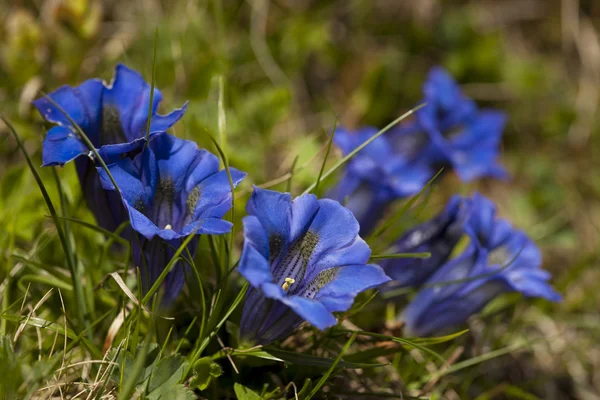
(268, 81)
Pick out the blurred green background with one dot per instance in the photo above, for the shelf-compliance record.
(288, 68)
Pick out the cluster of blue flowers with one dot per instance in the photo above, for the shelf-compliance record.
(450, 132)
(304, 258)
(166, 187)
(497, 258)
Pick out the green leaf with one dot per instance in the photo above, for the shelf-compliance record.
(306, 359)
(172, 392)
(519, 393)
(438, 339)
(137, 370)
(205, 369)
(9, 370)
(243, 393)
(374, 352)
(408, 343)
(306, 389)
(167, 373)
(327, 374)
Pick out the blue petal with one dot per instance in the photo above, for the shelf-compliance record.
(174, 157)
(255, 234)
(203, 226)
(112, 153)
(357, 252)
(273, 210)
(438, 236)
(409, 179)
(215, 194)
(130, 95)
(349, 281)
(140, 223)
(205, 165)
(311, 310)
(254, 264)
(265, 320)
(82, 103)
(450, 312)
(531, 283)
(345, 140)
(303, 211)
(106, 205)
(137, 183)
(471, 262)
(335, 227)
(161, 123)
(136, 178)
(481, 223)
(61, 145)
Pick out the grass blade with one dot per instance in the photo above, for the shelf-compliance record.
(152, 86)
(347, 158)
(392, 220)
(292, 168)
(326, 154)
(400, 255)
(81, 306)
(332, 368)
(196, 355)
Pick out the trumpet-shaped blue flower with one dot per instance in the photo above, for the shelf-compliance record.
(304, 261)
(460, 135)
(171, 190)
(114, 117)
(499, 259)
(450, 131)
(437, 236)
(375, 176)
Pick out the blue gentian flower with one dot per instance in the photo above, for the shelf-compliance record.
(499, 259)
(460, 135)
(304, 260)
(450, 132)
(171, 190)
(437, 236)
(114, 118)
(375, 176)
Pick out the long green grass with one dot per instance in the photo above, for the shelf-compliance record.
(267, 82)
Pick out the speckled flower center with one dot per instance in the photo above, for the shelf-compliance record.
(112, 128)
(291, 269)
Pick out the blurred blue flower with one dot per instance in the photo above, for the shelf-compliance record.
(437, 236)
(450, 131)
(114, 118)
(499, 259)
(171, 190)
(460, 135)
(375, 176)
(304, 260)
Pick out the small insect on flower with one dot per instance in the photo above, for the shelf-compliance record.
(499, 259)
(114, 117)
(304, 261)
(170, 190)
